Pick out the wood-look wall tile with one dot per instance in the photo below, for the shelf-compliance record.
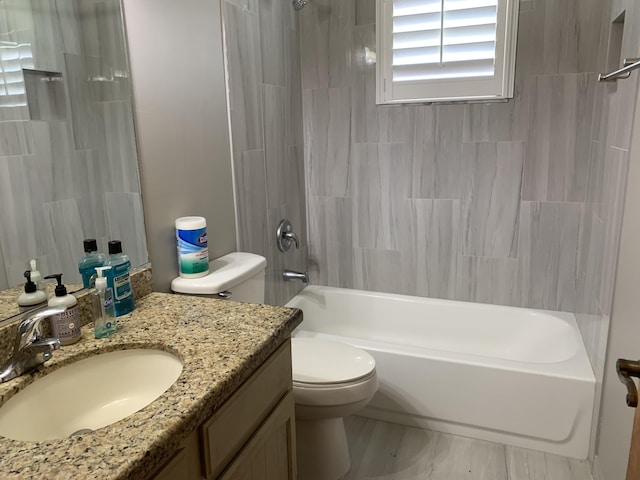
(328, 26)
(248, 5)
(500, 121)
(46, 41)
(244, 69)
(295, 195)
(251, 201)
(365, 12)
(331, 252)
(364, 117)
(437, 152)
(430, 233)
(559, 37)
(396, 123)
(294, 84)
(378, 270)
(492, 176)
(70, 29)
(380, 186)
(16, 138)
(328, 141)
(119, 135)
(621, 113)
(275, 142)
(64, 230)
(125, 222)
(273, 35)
(84, 112)
(590, 276)
(548, 254)
(17, 237)
(87, 175)
(487, 280)
(557, 162)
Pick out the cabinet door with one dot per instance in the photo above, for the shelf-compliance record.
(185, 464)
(270, 454)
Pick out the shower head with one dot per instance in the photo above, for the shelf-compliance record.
(299, 4)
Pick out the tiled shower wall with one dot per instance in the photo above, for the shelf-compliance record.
(263, 69)
(478, 202)
(68, 163)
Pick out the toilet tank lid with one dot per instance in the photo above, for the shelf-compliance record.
(224, 273)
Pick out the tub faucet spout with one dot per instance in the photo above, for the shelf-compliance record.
(289, 275)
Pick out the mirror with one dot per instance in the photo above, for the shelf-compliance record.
(68, 162)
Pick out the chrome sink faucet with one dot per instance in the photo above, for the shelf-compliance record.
(289, 275)
(30, 350)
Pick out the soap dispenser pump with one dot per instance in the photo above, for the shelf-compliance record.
(65, 325)
(36, 277)
(105, 323)
(32, 297)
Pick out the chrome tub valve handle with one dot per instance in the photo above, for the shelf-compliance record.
(285, 236)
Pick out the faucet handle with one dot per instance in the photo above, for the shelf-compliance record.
(29, 328)
(285, 236)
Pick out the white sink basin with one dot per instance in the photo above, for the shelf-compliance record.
(89, 394)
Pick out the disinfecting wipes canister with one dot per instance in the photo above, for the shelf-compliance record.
(193, 253)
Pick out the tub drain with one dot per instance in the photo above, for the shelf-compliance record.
(82, 431)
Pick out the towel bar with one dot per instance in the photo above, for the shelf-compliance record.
(630, 64)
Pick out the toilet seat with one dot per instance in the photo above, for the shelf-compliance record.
(323, 362)
(327, 373)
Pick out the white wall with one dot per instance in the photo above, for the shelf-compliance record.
(182, 124)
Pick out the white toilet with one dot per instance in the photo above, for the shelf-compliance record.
(330, 380)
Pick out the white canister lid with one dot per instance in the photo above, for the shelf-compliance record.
(190, 223)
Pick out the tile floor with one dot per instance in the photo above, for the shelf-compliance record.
(381, 450)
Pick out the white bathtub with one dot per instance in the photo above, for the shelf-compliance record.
(510, 375)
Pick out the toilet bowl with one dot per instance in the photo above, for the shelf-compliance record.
(330, 381)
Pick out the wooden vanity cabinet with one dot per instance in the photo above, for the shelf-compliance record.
(251, 436)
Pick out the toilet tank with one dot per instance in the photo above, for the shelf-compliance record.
(240, 274)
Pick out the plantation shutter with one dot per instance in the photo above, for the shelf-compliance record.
(437, 42)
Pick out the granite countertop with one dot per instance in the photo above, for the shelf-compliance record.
(220, 343)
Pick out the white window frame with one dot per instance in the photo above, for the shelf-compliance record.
(500, 87)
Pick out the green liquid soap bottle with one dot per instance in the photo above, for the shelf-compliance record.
(105, 323)
(87, 264)
(118, 279)
(65, 325)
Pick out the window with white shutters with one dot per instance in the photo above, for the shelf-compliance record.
(445, 50)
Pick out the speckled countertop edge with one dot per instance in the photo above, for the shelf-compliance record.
(220, 342)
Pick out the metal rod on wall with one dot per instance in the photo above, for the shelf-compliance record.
(630, 64)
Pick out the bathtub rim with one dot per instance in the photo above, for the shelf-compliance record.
(577, 367)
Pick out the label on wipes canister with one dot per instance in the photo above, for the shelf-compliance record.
(193, 252)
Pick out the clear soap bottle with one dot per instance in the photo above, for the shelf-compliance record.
(105, 323)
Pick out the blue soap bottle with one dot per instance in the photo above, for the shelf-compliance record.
(88, 263)
(118, 279)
